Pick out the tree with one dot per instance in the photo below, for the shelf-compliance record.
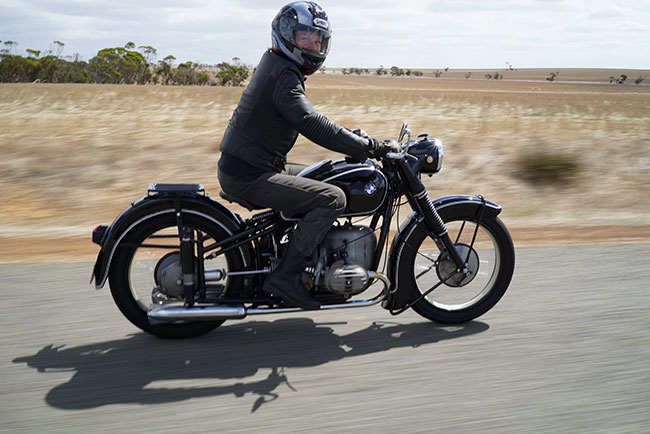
(164, 70)
(232, 74)
(149, 53)
(74, 71)
(190, 73)
(437, 73)
(119, 65)
(58, 48)
(185, 73)
(37, 67)
(396, 71)
(13, 69)
(9, 47)
(618, 80)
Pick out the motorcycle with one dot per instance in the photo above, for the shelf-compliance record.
(180, 263)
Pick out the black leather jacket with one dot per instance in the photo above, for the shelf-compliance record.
(273, 110)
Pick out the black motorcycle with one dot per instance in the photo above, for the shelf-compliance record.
(180, 263)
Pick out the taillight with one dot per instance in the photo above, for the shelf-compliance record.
(98, 234)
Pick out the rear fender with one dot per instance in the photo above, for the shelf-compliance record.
(154, 205)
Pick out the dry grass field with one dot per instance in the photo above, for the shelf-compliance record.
(75, 155)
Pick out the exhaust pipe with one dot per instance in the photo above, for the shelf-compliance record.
(173, 313)
(212, 313)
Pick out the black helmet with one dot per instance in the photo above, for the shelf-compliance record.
(302, 32)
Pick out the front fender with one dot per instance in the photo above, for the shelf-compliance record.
(447, 207)
(150, 207)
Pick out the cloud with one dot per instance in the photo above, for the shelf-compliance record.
(455, 33)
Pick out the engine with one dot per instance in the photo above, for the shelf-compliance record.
(343, 260)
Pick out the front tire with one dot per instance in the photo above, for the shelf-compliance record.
(462, 298)
(132, 276)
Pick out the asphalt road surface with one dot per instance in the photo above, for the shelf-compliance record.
(566, 350)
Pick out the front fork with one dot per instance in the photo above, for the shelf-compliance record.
(420, 201)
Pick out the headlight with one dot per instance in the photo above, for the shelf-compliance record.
(429, 155)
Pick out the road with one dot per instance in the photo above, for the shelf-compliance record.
(566, 350)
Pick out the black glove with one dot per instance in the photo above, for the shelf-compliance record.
(373, 145)
(382, 148)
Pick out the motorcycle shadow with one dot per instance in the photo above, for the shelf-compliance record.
(129, 371)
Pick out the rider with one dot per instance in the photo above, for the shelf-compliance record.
(271, 112)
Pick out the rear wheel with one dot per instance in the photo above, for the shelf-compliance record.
(487, 249)
(145, 272)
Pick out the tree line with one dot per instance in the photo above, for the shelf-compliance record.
(117, 65)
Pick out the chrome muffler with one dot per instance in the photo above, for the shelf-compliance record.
(213, 313)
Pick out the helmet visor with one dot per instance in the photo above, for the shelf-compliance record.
(310, 40)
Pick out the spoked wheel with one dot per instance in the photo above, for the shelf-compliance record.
(146, 272)
(488, 252)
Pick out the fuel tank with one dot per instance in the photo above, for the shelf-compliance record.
(364, 184)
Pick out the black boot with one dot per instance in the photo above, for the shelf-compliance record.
(286, 281)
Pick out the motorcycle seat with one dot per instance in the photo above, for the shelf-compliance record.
(249, 206)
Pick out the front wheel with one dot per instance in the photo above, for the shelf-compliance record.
(487, 249)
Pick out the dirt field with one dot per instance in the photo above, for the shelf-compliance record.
(76, 155)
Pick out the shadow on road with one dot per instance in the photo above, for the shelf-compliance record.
(122, 371)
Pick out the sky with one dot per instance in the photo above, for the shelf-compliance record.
(366, 33)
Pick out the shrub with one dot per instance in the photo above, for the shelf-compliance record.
(546, 167)
(232, 74)
(396, 71)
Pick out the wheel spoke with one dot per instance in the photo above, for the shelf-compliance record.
(431, 267)
(459, 291)
(460, 232)
(428, 258)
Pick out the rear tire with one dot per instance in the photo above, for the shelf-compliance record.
(461, 299)
(132, 280)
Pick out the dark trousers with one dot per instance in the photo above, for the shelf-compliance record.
(318, 203)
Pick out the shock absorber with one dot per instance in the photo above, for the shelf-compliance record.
(187, 265)
(186, 238)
